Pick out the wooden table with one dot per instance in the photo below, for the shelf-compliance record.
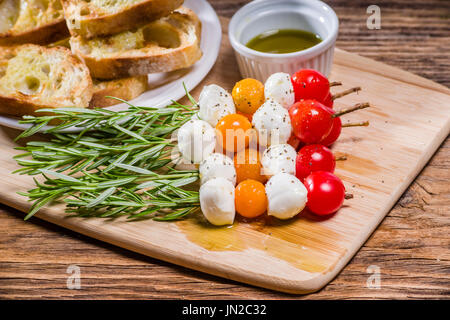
(411, 246)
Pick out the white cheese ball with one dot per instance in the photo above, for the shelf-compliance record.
(215, 103)
(217, 165)
(196, 140)
(217, 201)
(278, 87)
(273, 123)
(287, 196)
(279, 158)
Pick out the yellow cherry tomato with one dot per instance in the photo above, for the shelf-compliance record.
(248, 166)
(250, 198)
(232, 134)
(248, 95)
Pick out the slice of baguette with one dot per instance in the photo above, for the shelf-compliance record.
(106, 17)
(34, 77)
(168, 44)
(126, 89)
(31, 21)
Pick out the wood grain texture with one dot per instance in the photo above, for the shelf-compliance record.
(410, 247)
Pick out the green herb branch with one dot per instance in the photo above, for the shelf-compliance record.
(118, 163)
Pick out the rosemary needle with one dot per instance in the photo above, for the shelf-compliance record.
(117, 165)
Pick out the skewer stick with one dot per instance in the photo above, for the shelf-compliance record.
(344, 93)
(356, 124)
(357, 106)
(335, 83)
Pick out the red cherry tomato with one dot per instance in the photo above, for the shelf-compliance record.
(326, 192)
(335, 131)
(328, 101)
(311, 121)
(314, 157)
(310, 84)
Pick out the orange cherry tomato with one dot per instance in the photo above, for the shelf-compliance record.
(248, 95)
(232, 132)
(248, 166)
(250, 198)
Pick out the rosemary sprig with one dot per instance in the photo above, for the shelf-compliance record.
(117, 164)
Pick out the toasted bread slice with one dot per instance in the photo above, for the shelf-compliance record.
(34, 77)
(31, 21)
(106, 17)
(125, 88)
(168, 44)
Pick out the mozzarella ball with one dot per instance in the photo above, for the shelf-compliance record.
(278, 87)
(217, 165)
(287, 196)
(215, 103)
(279, 158)
(196, 140)
(273, 123)
(217, 201)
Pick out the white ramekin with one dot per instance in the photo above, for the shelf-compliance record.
(263, 15)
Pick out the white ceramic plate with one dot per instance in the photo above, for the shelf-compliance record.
(165, 87)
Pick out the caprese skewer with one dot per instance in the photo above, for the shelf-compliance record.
(246, 143)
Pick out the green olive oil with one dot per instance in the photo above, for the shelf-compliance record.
(283, 41)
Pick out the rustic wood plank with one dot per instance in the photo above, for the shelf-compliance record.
(410, 246)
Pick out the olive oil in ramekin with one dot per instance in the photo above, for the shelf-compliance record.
(283, 41)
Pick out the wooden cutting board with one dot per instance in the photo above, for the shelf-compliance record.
(409, 120)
